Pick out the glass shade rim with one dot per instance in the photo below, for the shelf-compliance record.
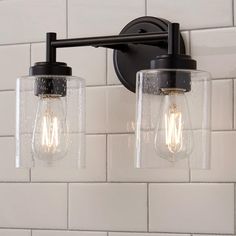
(67, 77)
(198, 73)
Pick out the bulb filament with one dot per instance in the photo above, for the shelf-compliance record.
(173, 129)
(50, 140)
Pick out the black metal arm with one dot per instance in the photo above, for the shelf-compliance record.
(144, 43)
(118, 42)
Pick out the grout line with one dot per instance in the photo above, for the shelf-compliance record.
(30, 176)
(112, 231)
(67, 19)
(106, 158)
(222, 130)
(233, 125)
(234, 210)
(132, 133)
(233, 12)
(106, 74)
(23, 43)
(7, 90)
(106, 85)
(146, 5)
(67, 205)
(147, 207)
(120, 133)
(115, 182)
(190, 175)
(110, 133)
(30, 55)
(209, 28)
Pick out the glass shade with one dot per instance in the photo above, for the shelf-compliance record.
(50, 122)
(173, 119)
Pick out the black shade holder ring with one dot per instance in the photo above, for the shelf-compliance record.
(143, 40)
(50, 86)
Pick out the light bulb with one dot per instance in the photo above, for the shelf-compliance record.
(50, 135)
(173, 134)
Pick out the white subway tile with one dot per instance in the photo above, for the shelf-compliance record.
(96, 109)
(199, 208)
(112, 78)
(15, 62)
(120, 207)
(186, 36)
(38, 52)
(109, 109)
(209, 234)
(93, 18)
(121, 110)
(33, 205)
(28, 21)
(95, 169)
(7, 108)
(86, 62)
(121, 164)
(14, 232)
(193, 14)
(222, 104)
(144, 234)
(222, 159)
(8, 172)
(66, 233)
(215, 51)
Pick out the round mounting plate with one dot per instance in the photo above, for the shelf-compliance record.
(138, 56)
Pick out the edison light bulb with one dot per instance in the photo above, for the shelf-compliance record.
(50, 136)
(173, 135)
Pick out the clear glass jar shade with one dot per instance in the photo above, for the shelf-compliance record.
(173, 126)
(50, 129)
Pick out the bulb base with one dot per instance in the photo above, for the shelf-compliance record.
(175, 80)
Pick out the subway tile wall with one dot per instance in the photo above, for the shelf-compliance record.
(110, 197)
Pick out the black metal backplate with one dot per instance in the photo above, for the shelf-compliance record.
(138, 56)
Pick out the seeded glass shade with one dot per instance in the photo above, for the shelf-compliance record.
(173, 126)
(50, 129)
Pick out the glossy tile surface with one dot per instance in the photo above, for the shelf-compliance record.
(198, 14)
(116, 207)
(28, 21)
(171, 206)
(44, 205)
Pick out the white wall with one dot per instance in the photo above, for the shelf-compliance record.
(110, 196)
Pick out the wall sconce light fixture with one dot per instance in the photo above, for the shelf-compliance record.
(173, 100)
